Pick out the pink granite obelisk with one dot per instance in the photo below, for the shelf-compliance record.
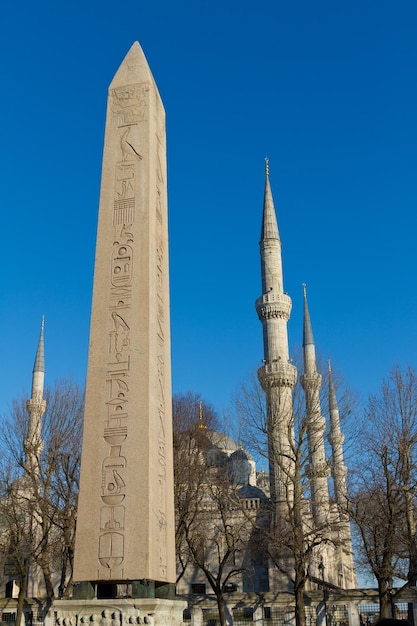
(125, 523)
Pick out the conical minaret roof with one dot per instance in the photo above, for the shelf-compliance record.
(270, 246)
(308, 338)
(39, 365)
(36, 406)
(333, 406)
(269, 219)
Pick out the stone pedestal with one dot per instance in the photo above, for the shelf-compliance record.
(116, 612)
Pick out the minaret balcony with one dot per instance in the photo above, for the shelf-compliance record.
(311, 382)
(277, 374)
(273, 305)
(36, 406)
(336, 439)
(318, 470)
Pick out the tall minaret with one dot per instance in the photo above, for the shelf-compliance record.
(339, 473)
(318, 469)
(36, 407)
(277, 376)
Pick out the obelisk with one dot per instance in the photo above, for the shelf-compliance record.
(125, 522)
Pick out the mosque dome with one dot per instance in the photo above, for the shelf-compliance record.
(240, 467)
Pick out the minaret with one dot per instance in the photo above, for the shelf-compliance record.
(277, 376)
(339, 473)
(318, 469)
(36, 407)
(336, 438)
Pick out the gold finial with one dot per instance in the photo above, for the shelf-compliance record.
(266, 167)
(201, 424)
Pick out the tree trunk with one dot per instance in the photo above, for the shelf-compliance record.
(300, 614)
(410, 613)
(412, 567)
(21, 599)
(384, 602)
(411, 531)
(65, 583)
(50, 593)
(221, 608)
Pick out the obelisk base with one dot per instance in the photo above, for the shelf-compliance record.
(116, 612)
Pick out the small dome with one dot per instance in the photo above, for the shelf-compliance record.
(250, 491)
(240, 454)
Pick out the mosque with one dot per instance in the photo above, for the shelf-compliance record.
(322, 515)
(260, 589)
(272, 548)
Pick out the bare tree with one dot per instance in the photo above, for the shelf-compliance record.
(383, 499)
(212, 529)
(294, 538)
(19, 544)
(376, 508)
(44, 494)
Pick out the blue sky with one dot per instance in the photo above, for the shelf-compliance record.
(326, 89)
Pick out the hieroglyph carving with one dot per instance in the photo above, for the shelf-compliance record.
(129, 107)
(159, 172)
(159, 315)
(130, 104)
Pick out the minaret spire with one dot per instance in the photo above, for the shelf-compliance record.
(39, 365)
(269, 229)
(336, 438)
(316, 424)
(339, 473)
(307, 329)
(36, 407)
(277, 376)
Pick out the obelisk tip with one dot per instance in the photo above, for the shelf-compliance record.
(133, 68)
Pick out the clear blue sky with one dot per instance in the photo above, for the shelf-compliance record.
(326, 89)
